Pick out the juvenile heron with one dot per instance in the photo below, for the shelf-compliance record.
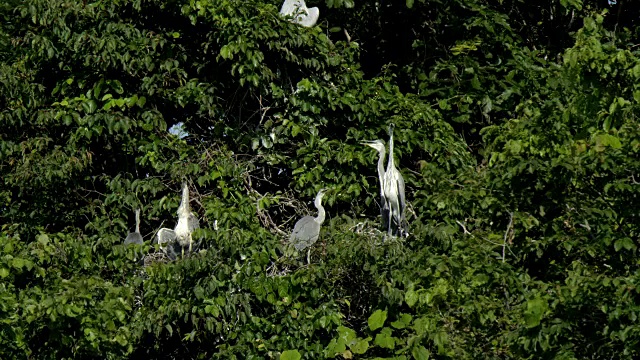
(301, 13)
(306, 231)
(394, 193)
(135, 237)
(166, 238)
(384, 204)
(187, 221)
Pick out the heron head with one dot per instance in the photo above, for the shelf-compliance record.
(376, 144)
(391, 127)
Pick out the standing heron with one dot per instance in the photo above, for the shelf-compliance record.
(306, 231)
(187, 221)
(394, 193)
(166, 238)
(301, 13)
(384, 205)
(135, 237)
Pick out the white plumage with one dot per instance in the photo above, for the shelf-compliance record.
(301, 13)
(182, 233)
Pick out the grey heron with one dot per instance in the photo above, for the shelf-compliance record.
(182, 233)
(166, 239)
(394, 193)
(187, 221)
(306, 231)
(135, 237)
(301, 13)
(384, 205)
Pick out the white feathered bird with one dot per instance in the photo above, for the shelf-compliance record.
(301, 13)
(182, 233)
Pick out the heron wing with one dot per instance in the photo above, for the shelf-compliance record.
(193, 222)
(312, 17)
(305, 233)
(133, 238)
(165, 236)
(400, 183)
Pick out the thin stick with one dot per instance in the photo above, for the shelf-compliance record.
(506, 234)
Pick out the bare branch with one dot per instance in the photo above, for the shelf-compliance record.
(464, 229)
(507, 235)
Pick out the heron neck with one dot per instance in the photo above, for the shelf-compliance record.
(381, 164)
(321, 212)
(390, 164)
(137, 220)
(183, 209)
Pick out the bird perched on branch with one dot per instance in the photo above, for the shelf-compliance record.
(394, 192)
(135, 237)
(306, 231)
(187, 221)
(182, 233)
(392, 196)
(384, 204)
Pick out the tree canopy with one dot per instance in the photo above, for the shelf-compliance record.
(516, 131)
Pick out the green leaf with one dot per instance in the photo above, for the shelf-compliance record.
(402, 322)
(347, 334)
(411, 297)
(290, 355)
(360, 347)
(377, 319)
(536, 309)
(384, 339)
(420, 353)
(410, 3)
(625, 243)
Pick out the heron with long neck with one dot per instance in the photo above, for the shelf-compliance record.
(135, 237)
(394, 192)
(307, 230)
(384, 205)
(187, 221)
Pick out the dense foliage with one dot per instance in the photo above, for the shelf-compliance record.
(516, 133)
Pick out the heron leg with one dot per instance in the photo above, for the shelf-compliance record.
(309, 256)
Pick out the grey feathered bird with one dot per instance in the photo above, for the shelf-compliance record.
(306, 231)
(135, 237)
(394, 193)
(384, 204)
(187, 221)
(182, 233)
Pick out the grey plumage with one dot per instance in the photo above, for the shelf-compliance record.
(392, 194)
(182, 233)
(187, 221)
(135, 237)
(384, 204)
(306, 231)
(166, 239)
